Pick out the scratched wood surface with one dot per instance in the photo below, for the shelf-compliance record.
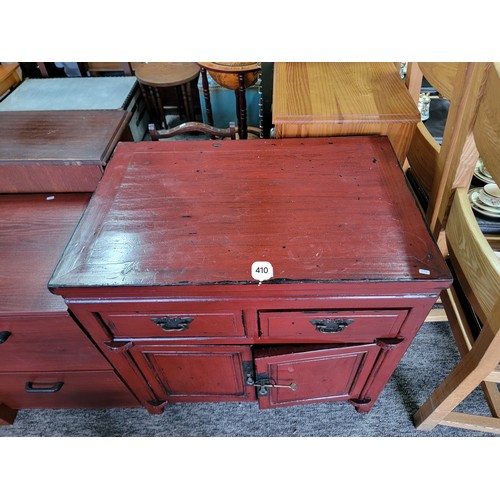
(57, 151)
(196, 212)
(331, 99)
(33, 233)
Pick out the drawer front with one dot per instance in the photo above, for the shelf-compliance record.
(325, 326)
(175, 324)
(46, 343)
(102, 389)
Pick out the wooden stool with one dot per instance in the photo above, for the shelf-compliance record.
(152, 77)
(236, 76)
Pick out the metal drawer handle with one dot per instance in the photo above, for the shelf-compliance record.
(4, 335)
(43, 390)
(331, 325)
(172, 324)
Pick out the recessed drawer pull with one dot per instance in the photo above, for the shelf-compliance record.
(4, 335)
(331, 325)
(43, 390)
(172, 324)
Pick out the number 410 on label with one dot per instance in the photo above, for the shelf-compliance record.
(262, 271)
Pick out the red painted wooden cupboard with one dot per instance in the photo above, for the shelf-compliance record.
(159, 270)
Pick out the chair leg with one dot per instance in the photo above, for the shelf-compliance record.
(468, 374)
(492, 396)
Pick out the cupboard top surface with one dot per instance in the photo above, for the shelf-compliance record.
(343, 92)
(60, 137)
(322, 210)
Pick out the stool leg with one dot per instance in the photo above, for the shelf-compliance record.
(190, 104)
(186, 98)
(181, 104)
(159, 107)
(147, 94)
(242, 102)
(206, 95)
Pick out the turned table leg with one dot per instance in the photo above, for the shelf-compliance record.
(206, 95)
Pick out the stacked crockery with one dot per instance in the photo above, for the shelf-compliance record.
(486, 200)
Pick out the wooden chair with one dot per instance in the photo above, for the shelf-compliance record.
(434, 169)
(9, 78)
(183, 128)
(473, 302)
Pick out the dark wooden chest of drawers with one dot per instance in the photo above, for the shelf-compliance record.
(57, 151)
(46, 360)
(159, 270)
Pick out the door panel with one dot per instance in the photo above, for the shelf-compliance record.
(312, 374)
(195, 373)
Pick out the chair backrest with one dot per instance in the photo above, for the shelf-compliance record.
(472, 304)
(183, 128)
(440, 168)
(486, 129)
(477, 265)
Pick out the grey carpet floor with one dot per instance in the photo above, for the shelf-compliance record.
(430, 357)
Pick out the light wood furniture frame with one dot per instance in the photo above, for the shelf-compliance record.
(439, 169)
(477, 270)
(9, 77)
(339, 99)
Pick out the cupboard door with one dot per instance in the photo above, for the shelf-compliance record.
(196, 373)
(312, 374)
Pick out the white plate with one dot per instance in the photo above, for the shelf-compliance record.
(479, 207)
(482, 176)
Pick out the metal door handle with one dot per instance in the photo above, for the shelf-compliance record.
(266, 384)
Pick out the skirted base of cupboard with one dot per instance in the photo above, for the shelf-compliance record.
(163, 270)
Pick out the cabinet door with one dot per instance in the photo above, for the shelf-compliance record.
(195, 373)
(312, 374)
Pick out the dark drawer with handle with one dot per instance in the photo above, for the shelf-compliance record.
(325, 326)
(175, 324)
(46, 343)
(85, 389)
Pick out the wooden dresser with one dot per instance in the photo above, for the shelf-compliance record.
(46, 361)
(159, 270)
(338, 99)
(57, 151)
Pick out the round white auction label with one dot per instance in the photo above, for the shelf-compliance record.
(262, 271)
